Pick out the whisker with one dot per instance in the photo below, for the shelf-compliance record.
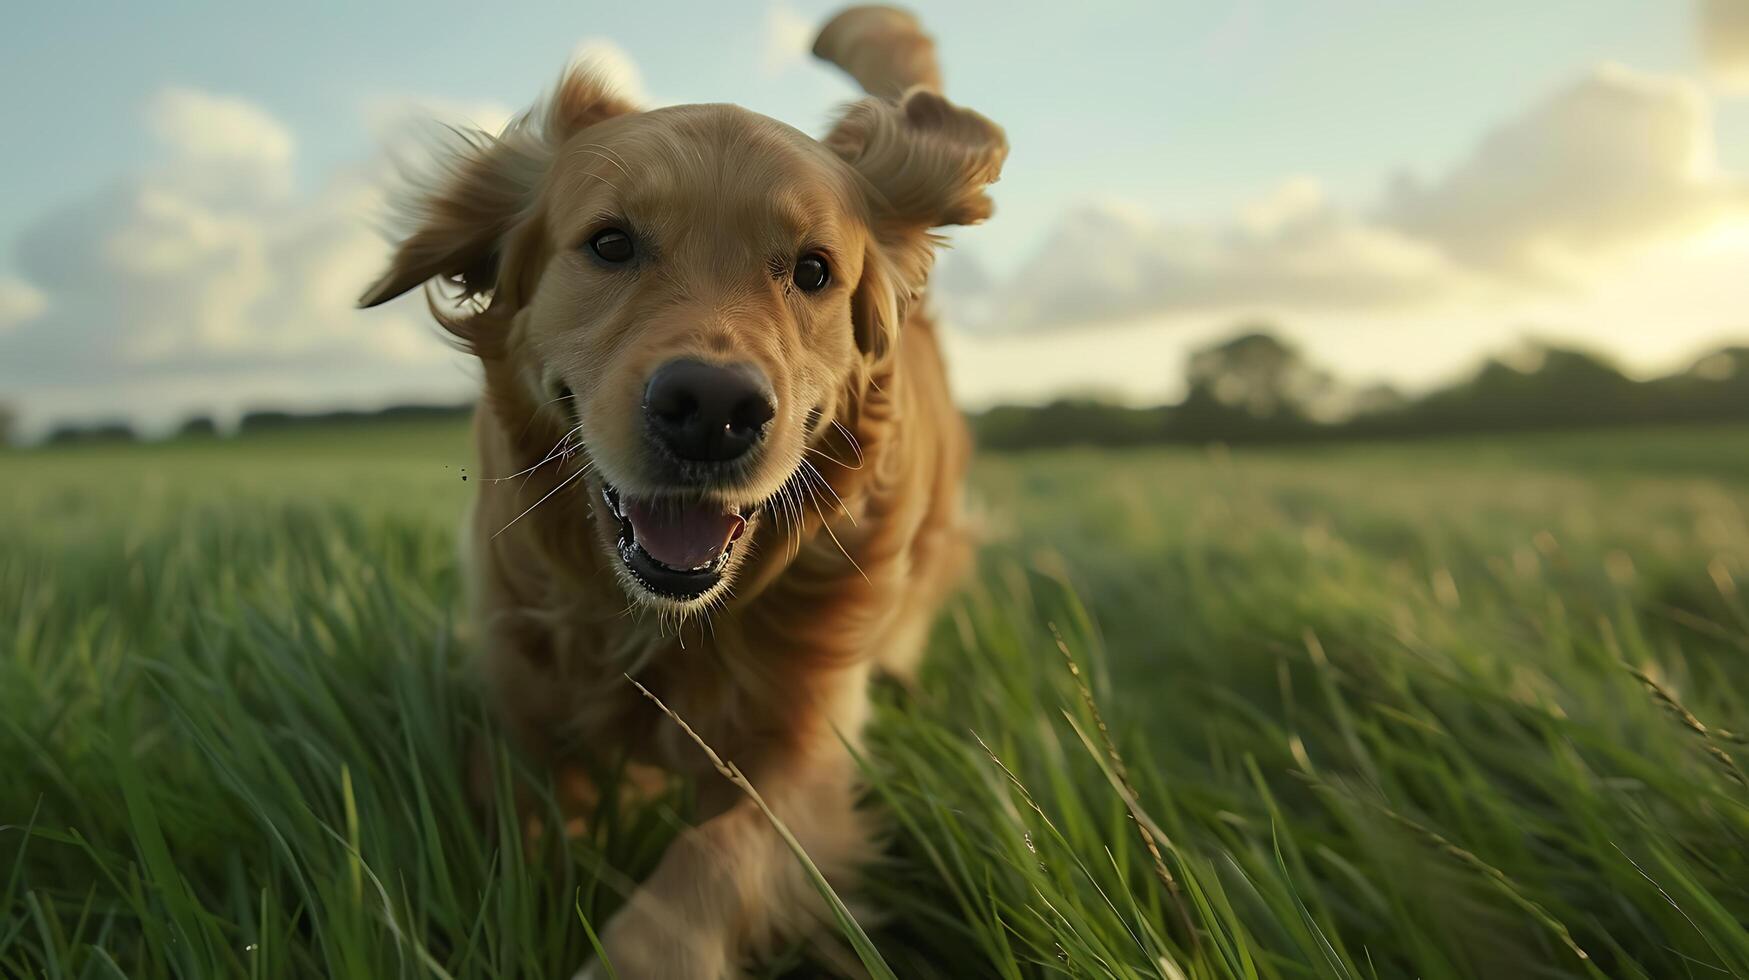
(850, 437)
(828, 456)
(561, 449)
(780, 516)
(595, 150)
(537, 408)
(793, 512)
(609, 154)
(604, 180)
(562, 485)
(711, 604)
(550, 455)
(827, 527)
(821, 478)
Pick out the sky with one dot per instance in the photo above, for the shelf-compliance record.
(192, 193)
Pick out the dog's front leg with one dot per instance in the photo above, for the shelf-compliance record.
(730, 888)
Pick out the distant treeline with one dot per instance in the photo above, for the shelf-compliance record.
(1257, 388)
(269, 421)
(257, 422)
(1252, 388)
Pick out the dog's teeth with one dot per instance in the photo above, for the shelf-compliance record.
(611, 496)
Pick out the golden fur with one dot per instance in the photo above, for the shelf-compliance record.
(858, 539)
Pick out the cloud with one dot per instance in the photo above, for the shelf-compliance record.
(789, 39)
(213, 279)
(19, 302)
(394, 122)
(615, 65)
(1614, 164)
(1610, 164)
(1724, 41)
(964, 285)
(208, 281)
(224, 149)
(213, 129)
(1291, 248)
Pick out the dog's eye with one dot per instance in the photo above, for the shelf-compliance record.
(811, 274)
(612, 245)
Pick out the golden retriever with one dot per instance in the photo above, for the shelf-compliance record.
(729, 465)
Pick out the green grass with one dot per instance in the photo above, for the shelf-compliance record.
(1458, 709)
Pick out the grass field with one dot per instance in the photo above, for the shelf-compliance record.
(1459, 709)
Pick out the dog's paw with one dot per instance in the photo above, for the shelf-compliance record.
(653, 968)
(644, 945)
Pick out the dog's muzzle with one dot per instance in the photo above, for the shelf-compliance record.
(675, 547)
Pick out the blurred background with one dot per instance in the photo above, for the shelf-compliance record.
(1450, 215)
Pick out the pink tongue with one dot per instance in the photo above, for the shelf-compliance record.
(685, 536)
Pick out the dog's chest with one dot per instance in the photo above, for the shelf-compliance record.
(742, 704)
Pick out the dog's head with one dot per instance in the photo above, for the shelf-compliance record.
(694, 293)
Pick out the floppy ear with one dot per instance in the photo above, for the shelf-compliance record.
(926, 160)
(486, 187)
(877, 307)
(924, 163)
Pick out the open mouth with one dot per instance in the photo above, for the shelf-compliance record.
(675, 547)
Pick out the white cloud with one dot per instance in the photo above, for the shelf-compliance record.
(615, 65)
(1291, 248)
(1613, 165)
(19, 302)
(206, 281)
(1724, 41)
(209, 281)
(395, 121)
(204, 127)
(1658, 312)
(789, 38)
(224, 145)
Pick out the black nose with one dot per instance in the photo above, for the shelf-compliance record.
(708, 413)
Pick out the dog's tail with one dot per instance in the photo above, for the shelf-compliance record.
(883, 48)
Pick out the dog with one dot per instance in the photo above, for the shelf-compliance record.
(727, 461)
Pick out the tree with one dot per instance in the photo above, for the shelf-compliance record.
(97, 432)
(1538, 386)
(1252, 387)
(197, 427)
(1260, 374)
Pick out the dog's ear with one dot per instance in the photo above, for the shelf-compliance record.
(485, 186)
(924, 163)
(926, 160)
(877, 307)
